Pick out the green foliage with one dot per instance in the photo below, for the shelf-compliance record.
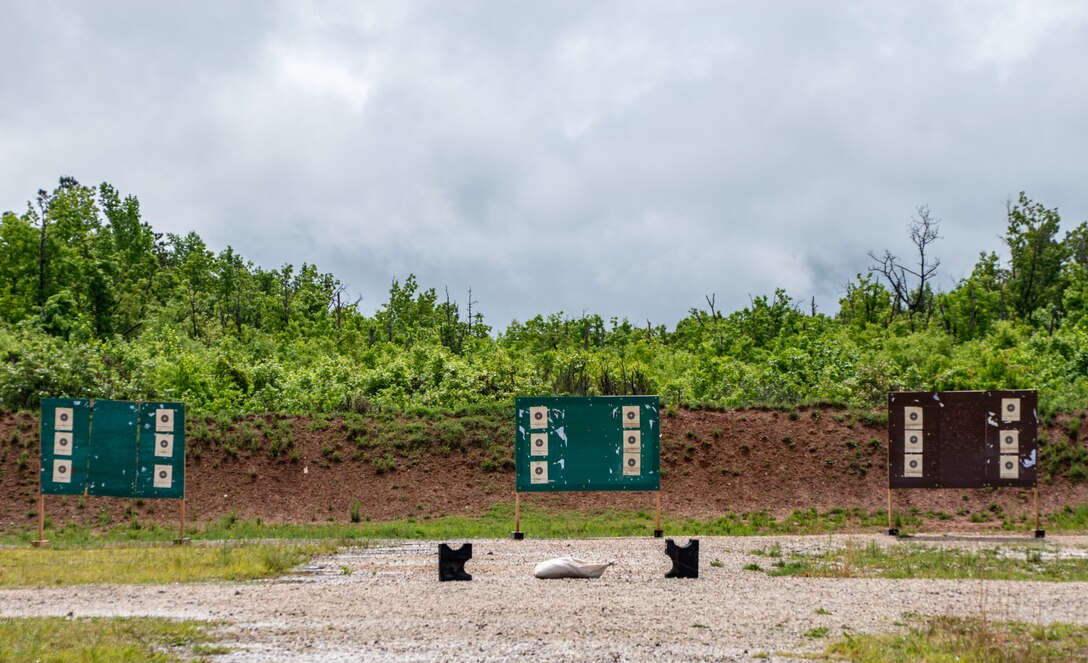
(112, 309)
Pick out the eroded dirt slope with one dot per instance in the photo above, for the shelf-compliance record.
(713, 462)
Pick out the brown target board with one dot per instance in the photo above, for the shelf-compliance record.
(962, 439)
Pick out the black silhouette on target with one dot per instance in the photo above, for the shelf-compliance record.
(63, 469)
(162, 474)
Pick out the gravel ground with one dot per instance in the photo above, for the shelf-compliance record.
(384, 603)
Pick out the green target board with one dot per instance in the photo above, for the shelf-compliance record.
(66, 443)
(161, 459)
(112, 448)
(587, 443)
(114, 440)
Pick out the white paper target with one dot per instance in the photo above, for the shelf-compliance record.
(632, 441)
(538, 471)
(164, 445)
(63, 418)
(913, 466)
(1010, 409)
(1010, 441)
(1010, 467)
(62, 444)
(164, 476)
(538, 444)
(632, 464)
(913, 441)
(630, 415)
(164, 421)
(912, 418)
(62, 471)
(538, 417)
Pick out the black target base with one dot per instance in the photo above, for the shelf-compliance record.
(658, 533)
(182, 542)
(1040, 534)
(685, 559)
(893, 532)
(517, 536)
(451, 563)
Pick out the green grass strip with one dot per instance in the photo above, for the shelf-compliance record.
(47, 567)
(968, 640)
(1009, 562)
(104, 639)
(536, 522)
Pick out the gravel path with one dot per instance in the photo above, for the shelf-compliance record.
(384, 602)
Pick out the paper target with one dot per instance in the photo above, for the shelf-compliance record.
(63, 418)
(62, 444)
(538, 417)
(1010, 441)
(1010, 409)
(538, 444)
(164, 476)
(632, 441)
(631, 418)
(1010, 467)
(62, 471)
(538, 471)
(913, 441)
(164, 445)
(164, 421)
(913, 466)
(912, 418)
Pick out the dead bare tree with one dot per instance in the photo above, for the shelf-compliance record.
(910, 286)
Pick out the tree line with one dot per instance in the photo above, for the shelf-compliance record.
(95, 302)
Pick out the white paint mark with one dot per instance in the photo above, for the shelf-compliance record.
(990, 421)
(562, 433)
(562, 463)
(1030, 460)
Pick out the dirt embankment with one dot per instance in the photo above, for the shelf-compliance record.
(303, 469)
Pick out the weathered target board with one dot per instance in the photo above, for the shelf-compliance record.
(112, 448)
(962, 439)
(586, 443)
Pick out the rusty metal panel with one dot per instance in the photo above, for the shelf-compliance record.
(962, 439)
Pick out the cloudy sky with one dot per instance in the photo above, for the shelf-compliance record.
(624, 158)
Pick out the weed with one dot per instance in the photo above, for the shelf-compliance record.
(817, 632)
(823, 611)
(716, 563)
(355, 511)
(752, 567)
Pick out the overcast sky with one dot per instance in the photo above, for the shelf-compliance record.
(621, 158)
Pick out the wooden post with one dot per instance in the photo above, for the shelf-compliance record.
(891, 522)
(181, 540)
(1039, 533)
(658, 533)
(517, 534)
(41, 520)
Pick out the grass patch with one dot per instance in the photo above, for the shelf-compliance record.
(153, 564)
(967, 639)
(1028, 562)
(114, 639)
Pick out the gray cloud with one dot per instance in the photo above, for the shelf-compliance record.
(618, 158)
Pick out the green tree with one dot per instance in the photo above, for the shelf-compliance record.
(1035, 262)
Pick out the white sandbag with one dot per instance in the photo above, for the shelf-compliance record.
(569, 567)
